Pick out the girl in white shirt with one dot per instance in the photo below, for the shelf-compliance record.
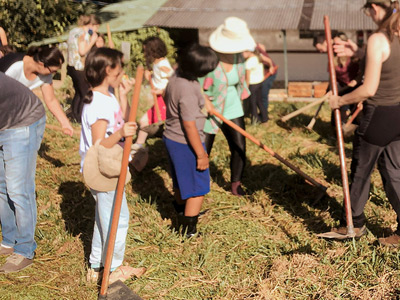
(103, 119)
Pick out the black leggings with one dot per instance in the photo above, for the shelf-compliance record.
(237, 146)
(256, 101)
(81, 88)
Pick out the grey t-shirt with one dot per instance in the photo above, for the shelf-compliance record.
(18, 105)
(184, 102)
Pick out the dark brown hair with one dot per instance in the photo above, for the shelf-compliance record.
(154, 48)
(196, 61)
(49, 56)
(89, 19)
(95, 67)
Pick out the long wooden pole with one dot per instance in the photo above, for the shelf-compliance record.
(270, 151)
(120, 186)
(339, 132)
(304, 108)
(110, 41)
(354, 114)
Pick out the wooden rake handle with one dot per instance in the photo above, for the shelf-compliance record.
(355, 114)
(300, 110)
(339, 132)
(120, 186)
(270, 151)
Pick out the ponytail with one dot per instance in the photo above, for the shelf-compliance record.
(392, 25)
(88, 97)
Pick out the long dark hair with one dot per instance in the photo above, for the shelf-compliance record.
(95, 67)
(154, 48)
(49, 56)
(196, 61)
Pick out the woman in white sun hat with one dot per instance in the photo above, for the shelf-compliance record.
(225, 88)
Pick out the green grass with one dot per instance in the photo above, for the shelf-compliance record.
(262, 246)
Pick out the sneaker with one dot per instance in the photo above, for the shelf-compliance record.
(391, 241)
(15, 263)
(340, 233)
(6, 250)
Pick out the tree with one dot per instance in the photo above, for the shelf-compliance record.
(33, 20)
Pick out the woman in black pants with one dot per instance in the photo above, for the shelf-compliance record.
(377, 140)
(225, 88)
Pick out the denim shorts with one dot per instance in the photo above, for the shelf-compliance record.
(185, 176)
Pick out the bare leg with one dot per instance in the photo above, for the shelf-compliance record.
(193, 206)
(142, 136)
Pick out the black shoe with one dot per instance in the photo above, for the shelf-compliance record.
(187, 225)
(179, 208)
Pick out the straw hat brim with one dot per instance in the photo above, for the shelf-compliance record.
(92, 175)
(222, 44)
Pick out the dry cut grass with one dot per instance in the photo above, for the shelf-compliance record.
(262, 246)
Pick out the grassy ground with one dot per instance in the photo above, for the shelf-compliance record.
(262, 246)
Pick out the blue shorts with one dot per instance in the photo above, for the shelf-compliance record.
(185, 177)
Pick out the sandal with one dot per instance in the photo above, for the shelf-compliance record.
(125, 272)
(93, 275)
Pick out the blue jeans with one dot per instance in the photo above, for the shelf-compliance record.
(266, 86)
(102, 225)
(18, 152)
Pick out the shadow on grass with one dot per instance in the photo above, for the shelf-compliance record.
(291, 192)
(150, 185)
(44, 148)
(78, 210)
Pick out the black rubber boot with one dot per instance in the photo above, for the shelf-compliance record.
(179, 208)
(187, 225)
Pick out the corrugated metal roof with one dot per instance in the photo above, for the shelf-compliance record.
(343, 15)
(263, 14)
(122, 16)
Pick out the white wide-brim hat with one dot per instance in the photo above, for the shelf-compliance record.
(102, 167)
(233, 36)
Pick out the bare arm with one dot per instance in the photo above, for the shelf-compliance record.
(248, 77)
(378, 50)
(3, 37)
(83, 47)
(195, 142)
(348, 48)
(55, 108)
(99, 130)
(124, 88)
(209, 106)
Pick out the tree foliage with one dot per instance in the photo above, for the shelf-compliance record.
(33, 20)
(136, 39)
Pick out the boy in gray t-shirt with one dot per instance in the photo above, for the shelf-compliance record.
(184, 136)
